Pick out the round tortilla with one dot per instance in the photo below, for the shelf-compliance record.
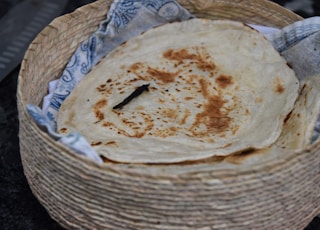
(300, 123)
(298, 128)
(203, 88)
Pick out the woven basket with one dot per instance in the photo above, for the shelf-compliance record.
(282, 193)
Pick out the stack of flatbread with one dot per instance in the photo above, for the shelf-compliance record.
(192, 90)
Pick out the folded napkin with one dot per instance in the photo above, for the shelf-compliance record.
(298, 43)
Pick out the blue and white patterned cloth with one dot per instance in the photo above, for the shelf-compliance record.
(126, 19)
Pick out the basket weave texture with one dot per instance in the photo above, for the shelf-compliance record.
(280, 194)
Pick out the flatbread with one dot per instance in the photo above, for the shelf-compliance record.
(205, 88)
(298, 128)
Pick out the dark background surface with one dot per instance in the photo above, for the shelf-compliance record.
(19, 209)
